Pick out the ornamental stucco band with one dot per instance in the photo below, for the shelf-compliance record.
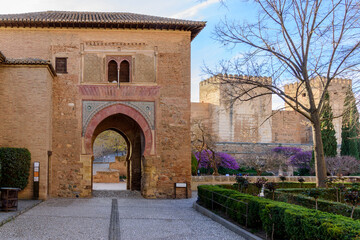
(90, 108)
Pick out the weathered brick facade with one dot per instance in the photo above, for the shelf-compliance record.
(63, 114)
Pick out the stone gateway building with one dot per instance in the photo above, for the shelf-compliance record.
(65, 77)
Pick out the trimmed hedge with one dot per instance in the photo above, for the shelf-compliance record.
(253, 190)
(326, 193)
(288, 221)
(296, 185)
(309, 202)
(15, 167)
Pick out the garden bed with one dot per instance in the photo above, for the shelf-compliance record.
(298, 197)
(280, 220)
(292, 193)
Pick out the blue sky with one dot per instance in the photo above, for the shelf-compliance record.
(205, 50)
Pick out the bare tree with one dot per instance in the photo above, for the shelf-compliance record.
(344, 165)
(293, 41)
(204, 143)
(270, 161)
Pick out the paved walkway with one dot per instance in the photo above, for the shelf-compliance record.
(23, 205)
(96, 218)
(109, 186)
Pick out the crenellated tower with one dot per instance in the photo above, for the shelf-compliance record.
(233, 120)
(337, 91)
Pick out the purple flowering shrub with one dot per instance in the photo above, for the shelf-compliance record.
(287, 151)
(296, 158)
(222, 160)
(301, 160)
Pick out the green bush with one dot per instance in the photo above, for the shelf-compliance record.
(253, 190)
(297, 185)
(309, 202)
(194, 163)
(15, 167)
(288, 221)
(326, 193)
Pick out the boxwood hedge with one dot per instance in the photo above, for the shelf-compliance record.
(15, 167)
(282, 220)
(295, 197)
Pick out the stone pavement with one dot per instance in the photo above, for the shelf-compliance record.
(23, 205)
(109, 186)
(115, 218)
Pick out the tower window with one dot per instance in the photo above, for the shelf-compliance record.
(124, 71)
(61, 65)
(119, 69)
(112, 71)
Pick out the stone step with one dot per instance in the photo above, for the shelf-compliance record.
(116, 194)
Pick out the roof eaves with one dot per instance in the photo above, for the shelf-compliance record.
(31, 61)
(60, 19)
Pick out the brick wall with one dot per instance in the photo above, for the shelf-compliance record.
(290, 127)
(25, 97)
(243, 150)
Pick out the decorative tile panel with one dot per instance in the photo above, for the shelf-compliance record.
(90, 108)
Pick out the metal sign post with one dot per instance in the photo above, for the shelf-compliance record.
(36, 179)
(181, 185)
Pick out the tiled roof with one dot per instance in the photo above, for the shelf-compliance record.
(119, 20)
(26, 61)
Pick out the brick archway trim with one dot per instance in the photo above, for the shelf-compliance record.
(118, 109)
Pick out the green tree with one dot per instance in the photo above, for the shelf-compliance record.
(108, 142)
(350, 125)
(194, 165)
(327, 129)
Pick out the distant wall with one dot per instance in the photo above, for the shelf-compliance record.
(243, 150)
(290, 127)
(337, 91)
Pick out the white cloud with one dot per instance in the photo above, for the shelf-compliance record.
(192, 11)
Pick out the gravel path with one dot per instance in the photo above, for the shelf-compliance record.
(96, 218)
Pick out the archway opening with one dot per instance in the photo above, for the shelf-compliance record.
(133, 136)
(110, 151)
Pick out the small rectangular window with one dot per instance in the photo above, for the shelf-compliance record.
(61, 65)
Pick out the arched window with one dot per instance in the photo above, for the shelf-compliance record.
(112, 71)
(124, 71)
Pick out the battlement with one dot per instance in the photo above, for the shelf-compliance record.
(335, 82)
(217, 79)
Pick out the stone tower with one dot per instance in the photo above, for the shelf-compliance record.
(233, 120)
(337, 91)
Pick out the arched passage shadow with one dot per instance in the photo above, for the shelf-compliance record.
(134, 138)
(114, 110)
(133, 127)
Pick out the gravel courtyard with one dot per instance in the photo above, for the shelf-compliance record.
(114, 218)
